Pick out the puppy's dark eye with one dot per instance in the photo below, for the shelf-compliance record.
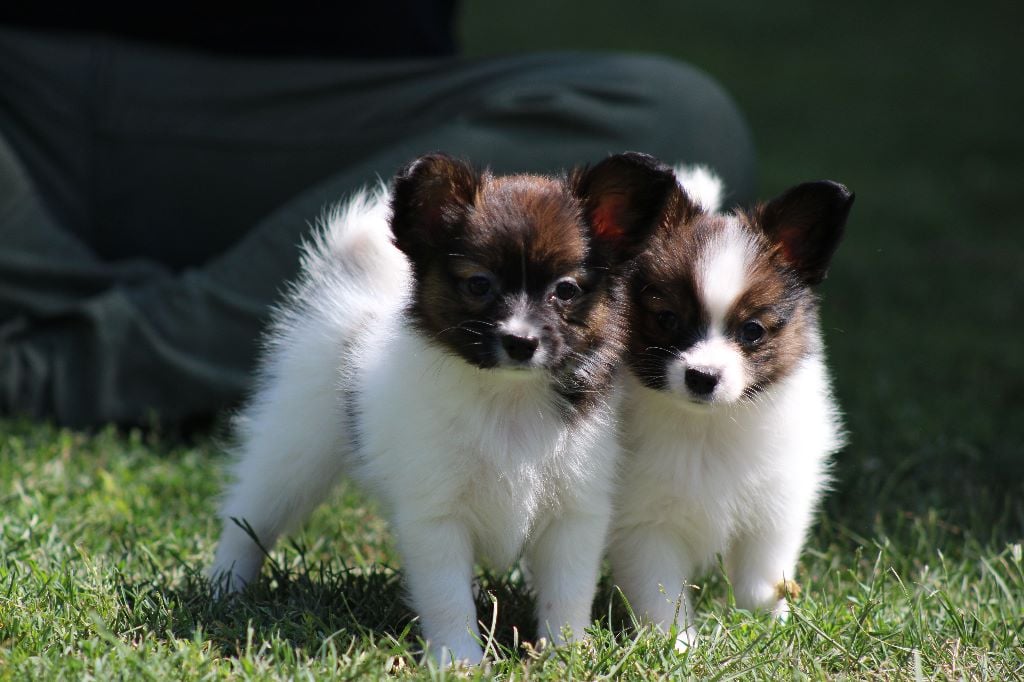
(567, 290)
(477, 285)
(668, 320)
(751, 332)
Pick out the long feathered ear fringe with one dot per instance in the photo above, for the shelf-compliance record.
(624, 197)
(429, 195)
(807, 222)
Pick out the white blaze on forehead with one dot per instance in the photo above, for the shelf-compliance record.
(519, 322)
(722, 271)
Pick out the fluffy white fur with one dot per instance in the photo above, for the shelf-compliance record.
(469, 464)
(702, 185)
(737, 478)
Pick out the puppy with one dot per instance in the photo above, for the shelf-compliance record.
(728, 418)
(464, 374)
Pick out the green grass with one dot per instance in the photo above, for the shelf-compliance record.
(915, 569)
(103, 539)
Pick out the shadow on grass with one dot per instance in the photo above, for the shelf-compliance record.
(309, 607)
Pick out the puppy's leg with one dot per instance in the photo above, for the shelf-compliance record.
(761, 567)
(653, 570)
(437, 555)
(290, 456)
(564, 562)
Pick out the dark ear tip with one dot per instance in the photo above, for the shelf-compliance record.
(641, 161)
(840, 191)
(639, 158)
(625, 167)
(435, 163)
(423, 162)
(829, 195)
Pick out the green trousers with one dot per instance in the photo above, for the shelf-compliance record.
(152, 200)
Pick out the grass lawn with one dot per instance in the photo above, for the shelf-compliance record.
(103, 538)
(914, 570)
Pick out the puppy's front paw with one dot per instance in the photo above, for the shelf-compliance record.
(237, 561)
(785, 591)
(231, 576)
(224, 584)
(459, 654)
(686, 639)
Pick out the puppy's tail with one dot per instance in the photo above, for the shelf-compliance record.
(352, 244)
(702, 185)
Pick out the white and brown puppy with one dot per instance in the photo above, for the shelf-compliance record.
(463, 373)
(728, 418)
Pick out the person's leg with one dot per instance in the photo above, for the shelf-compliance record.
(185, 345)
(46, 152)
(200, 159)
(46, 267)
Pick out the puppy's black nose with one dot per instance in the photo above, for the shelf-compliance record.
(701, 381)
(519, 348)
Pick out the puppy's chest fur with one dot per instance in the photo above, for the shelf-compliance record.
(696, 475)
(714, 476)
(492, 449)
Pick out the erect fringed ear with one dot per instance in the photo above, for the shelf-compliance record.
(624, 198)
(807, 223)
(427, 197)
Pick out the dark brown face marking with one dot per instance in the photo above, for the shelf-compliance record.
(496, 257)
(784, 308)
(521, 237)
(773, 321)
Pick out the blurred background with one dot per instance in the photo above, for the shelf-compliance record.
(919, 109)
